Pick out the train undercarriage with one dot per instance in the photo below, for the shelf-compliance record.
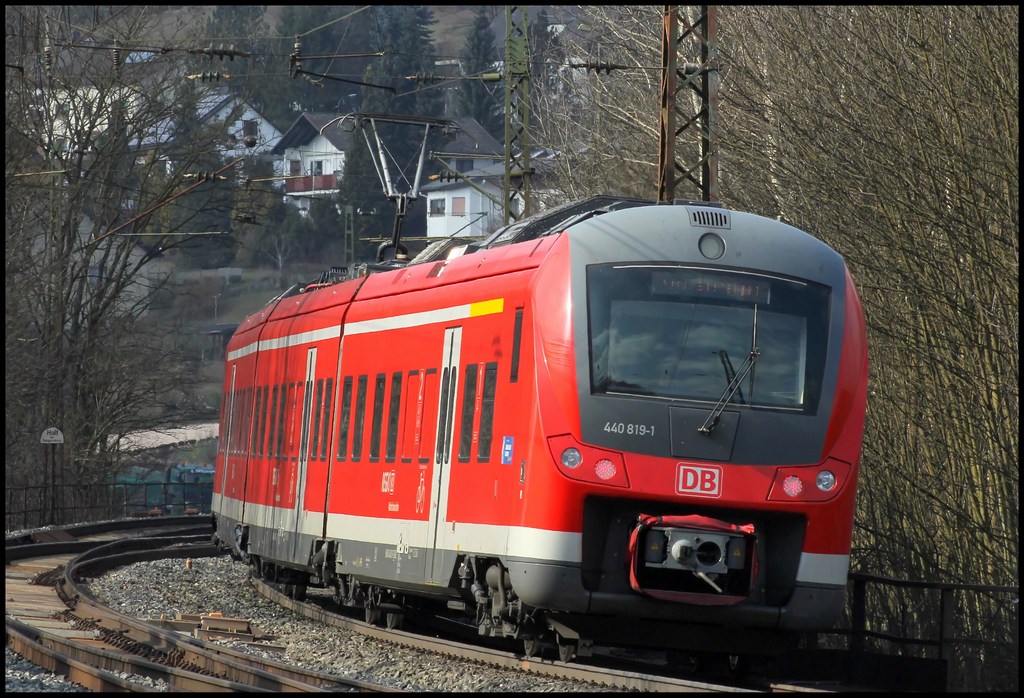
(481, 599)
(481, 596)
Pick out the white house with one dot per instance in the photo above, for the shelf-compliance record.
(242, 121)
(456, 208)
(312, 161)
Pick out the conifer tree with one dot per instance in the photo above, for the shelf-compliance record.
(478, 99)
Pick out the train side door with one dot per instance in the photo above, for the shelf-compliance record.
(300, 469)
(225, 435)
(232, 502)
(443, 452)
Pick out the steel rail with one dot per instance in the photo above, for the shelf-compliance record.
(265, 673)
(625, 680)
(67, 561)
(93, 667)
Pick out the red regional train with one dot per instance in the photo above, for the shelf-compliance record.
(617, 422)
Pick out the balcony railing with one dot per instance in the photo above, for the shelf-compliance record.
(310, 184)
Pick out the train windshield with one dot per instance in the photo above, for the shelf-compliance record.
(684, 332)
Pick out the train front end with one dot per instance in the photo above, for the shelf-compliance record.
(717, 364)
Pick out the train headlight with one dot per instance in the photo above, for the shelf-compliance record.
(825, 480)
(571, 458)
(711, 245)
(792, 486)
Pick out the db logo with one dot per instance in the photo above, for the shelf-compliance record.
(703, 481)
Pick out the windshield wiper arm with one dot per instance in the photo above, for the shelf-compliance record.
(712, 421)
(730, 373)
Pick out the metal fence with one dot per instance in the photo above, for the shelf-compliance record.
(921, 636)
(32, 507)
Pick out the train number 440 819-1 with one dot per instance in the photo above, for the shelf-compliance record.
(629, 428)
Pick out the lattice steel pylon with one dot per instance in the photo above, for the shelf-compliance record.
(517, 114)
(702, 78)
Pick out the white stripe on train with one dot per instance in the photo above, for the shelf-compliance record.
(486, 539)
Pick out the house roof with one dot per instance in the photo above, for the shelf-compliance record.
(473, 140)
(494, 174)
(308, 126)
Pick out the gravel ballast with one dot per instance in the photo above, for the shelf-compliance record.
(149, 589)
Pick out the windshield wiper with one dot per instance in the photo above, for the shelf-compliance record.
(712, 421)
(730, 373)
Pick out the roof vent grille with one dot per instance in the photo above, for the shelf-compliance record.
(703, 218)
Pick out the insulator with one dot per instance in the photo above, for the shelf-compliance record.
(48, 60)
(294, 60)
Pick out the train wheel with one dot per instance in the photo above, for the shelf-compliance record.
(393, 621)
(684, 661)
(297, 592)
(531, 647)
(372, 615)
(566, 649)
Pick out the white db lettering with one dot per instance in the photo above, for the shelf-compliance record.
(700, 481)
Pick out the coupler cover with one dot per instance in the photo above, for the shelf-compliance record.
(692, 559)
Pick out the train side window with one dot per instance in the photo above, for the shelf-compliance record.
(234, 421)
(287, 395)
(297, 392)
(247, 408)
(244, 441)
(272, 424)
(426, 427)
(229, 408)
(483, 452)
(378, 416)
(517, 340)
(232, 437)
(318, 413)
(394, 409)
(346, 402)
(413, 416)
(225, 434)
(220, 420)
(328, 401)
(263, 422)
(280, 420)
(442, 415)
(468, 412)
(357, 431)
(256, 422)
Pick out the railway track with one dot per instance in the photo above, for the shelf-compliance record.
(598, 671)
(54, 623)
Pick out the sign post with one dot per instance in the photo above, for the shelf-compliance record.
(52, 436)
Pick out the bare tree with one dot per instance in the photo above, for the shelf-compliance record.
(892, 133)
(95, 149)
